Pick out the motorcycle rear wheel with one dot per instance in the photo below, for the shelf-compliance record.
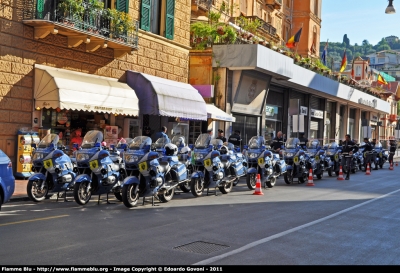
(196, 187)
(185, 187)
(226, 188)
(34, 193)
(118, 196)
(251, 180)
(130, 195)
(167, 195)
(81, 195)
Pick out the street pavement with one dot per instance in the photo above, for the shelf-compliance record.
(20, 193)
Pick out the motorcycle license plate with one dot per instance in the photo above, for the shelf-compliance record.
(336, 157)
(380, 154)
(316, 157)
(93, 164)
(142, 166)
(261, 160)
(207, 162)
(295, 159)
(48, 163)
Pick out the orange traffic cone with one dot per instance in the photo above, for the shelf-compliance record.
(310, 178)
(257, 190)
(391, 166)
(368, 172)
(340, 177)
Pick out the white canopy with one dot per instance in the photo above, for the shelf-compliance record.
(214, 112)
(66, 89)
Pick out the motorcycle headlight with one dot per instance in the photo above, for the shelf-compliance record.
(37, 156)
(81, 157)
(289, 154)
(131, 158)
(253, 155)
(198, 156)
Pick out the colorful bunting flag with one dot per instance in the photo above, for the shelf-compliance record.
(344, 62)
(324, 53)
(381, 80)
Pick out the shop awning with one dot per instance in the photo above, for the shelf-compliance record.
(66, 89)
(159, 96)
(213, 112)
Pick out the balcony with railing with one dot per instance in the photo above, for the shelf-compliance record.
(277, 4)
(83, 23)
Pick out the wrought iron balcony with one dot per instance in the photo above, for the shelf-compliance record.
(265, 27)
(82, 23)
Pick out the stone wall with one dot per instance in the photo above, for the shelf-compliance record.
(19, 51)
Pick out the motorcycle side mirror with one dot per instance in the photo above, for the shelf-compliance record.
(191, 146)
(263, 147)
(219, 147)
(246, 147)
(97, 144)
(112, 146)
(237, 149)
(75, 146)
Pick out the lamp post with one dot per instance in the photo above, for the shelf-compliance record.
(390, 9)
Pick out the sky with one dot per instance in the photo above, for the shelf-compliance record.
(359, 19)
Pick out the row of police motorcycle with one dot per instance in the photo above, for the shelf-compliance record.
(137, 168)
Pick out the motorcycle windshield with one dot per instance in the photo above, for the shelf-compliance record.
(292, 143)
(49, 139)
(178, 140)
(139, 142)
(217, 142)
(256, 142)
(202, 141)
(124, 141)
(333, 146)
(313, 144)
(161, 142)
(378, 146)
(91, 138)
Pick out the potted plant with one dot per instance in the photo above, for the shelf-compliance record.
(71, 10)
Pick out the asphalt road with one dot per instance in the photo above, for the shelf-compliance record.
(334, 222)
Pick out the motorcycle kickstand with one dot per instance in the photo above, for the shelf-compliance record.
(65, 197)
(108, 202)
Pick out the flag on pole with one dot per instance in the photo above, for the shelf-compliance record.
(324, 53)
(381, 80)
(344, 62)
(292, 42)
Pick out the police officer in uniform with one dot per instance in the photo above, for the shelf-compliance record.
(348, 148)
(235, 139)
(277, 142)
(303, 141)
(368, 155)
(392, 148)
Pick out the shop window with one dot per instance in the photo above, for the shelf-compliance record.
(157, 16)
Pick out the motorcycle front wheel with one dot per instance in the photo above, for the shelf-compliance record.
(288, 177)
(226, 188)
(196, 187)
(167, 195)
(81, 193)
(251, 181)
(130, 195)
(35, 192)
(270, 183)
(330, 171)
(303, 178)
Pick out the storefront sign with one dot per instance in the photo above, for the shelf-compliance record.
(374, 118)
(316, 113)
(303, 110)
(370, 103)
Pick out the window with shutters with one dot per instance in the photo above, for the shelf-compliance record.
(157, 16)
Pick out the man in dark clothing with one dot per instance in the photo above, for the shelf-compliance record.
(348, 148)
(221, 135)
(147, 131)
(303, 141)
(392, 148)
(236, 139)
(368, 155)
(277, 142)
